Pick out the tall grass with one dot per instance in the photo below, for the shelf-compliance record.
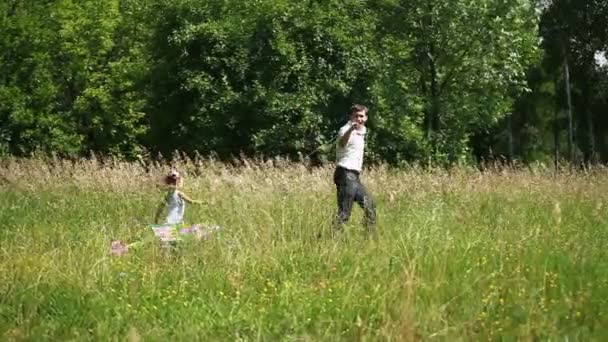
(461, 255)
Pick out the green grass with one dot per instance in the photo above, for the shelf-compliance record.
(461, 255)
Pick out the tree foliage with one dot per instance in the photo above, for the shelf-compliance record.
(572, 34)
(445, 80)
(72, 77)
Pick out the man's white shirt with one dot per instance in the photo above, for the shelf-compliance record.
(351, 155)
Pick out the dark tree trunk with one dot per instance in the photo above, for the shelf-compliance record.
(556, 133)
(569, 102)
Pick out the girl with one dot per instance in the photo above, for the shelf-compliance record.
(174, 200)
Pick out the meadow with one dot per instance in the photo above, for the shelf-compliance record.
(462, 255)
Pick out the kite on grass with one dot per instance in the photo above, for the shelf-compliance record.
(169, 233)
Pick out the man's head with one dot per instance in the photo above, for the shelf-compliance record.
(358, 114)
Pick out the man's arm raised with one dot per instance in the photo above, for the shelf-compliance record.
(343, 140)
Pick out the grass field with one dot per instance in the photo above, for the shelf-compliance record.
(461, 255)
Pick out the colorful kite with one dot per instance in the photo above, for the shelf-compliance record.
(176, 232)
(169, 233)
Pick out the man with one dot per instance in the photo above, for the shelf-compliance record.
(350, 146)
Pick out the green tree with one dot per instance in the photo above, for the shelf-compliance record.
(103, 62)
(271, 77)
(458, 67)
(33, 113)
(572, 34)
(73, 74)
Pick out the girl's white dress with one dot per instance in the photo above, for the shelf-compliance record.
(176, 208)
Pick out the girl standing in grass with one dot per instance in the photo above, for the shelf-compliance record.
(174, 200)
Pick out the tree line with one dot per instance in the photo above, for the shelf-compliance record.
(446, 81)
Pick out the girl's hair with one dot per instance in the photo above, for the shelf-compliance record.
(172, 178)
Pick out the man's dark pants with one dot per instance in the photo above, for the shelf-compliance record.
(349, 190)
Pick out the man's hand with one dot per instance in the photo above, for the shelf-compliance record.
(344, 139)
